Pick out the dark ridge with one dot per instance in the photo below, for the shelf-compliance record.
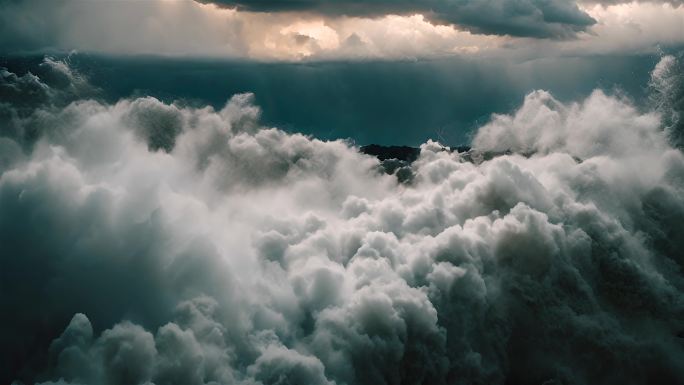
(462, 148)
(397, 160)
(403, 153)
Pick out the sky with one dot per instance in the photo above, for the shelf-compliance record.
(392, 72)
(184, 198)
(383, 102)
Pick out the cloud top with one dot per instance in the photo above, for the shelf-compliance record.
(146, 242)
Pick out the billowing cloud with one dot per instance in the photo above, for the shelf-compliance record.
(667, 96)
(146, 242)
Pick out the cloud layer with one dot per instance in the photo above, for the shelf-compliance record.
(531, 18)
(333, 30)
(158, 243)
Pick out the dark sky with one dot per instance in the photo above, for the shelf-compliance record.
(384, 102)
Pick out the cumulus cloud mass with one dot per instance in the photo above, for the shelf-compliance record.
(153, 243)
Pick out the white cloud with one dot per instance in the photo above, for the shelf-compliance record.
(236, 253)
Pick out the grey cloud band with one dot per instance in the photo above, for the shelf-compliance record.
(531, 18)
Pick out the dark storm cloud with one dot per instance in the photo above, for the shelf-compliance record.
(223, 251)
(532, 18)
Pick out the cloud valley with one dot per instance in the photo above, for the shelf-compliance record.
(147, 242)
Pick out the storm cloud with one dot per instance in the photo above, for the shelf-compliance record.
(152, 242)
(334, 30)
(532, 18)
